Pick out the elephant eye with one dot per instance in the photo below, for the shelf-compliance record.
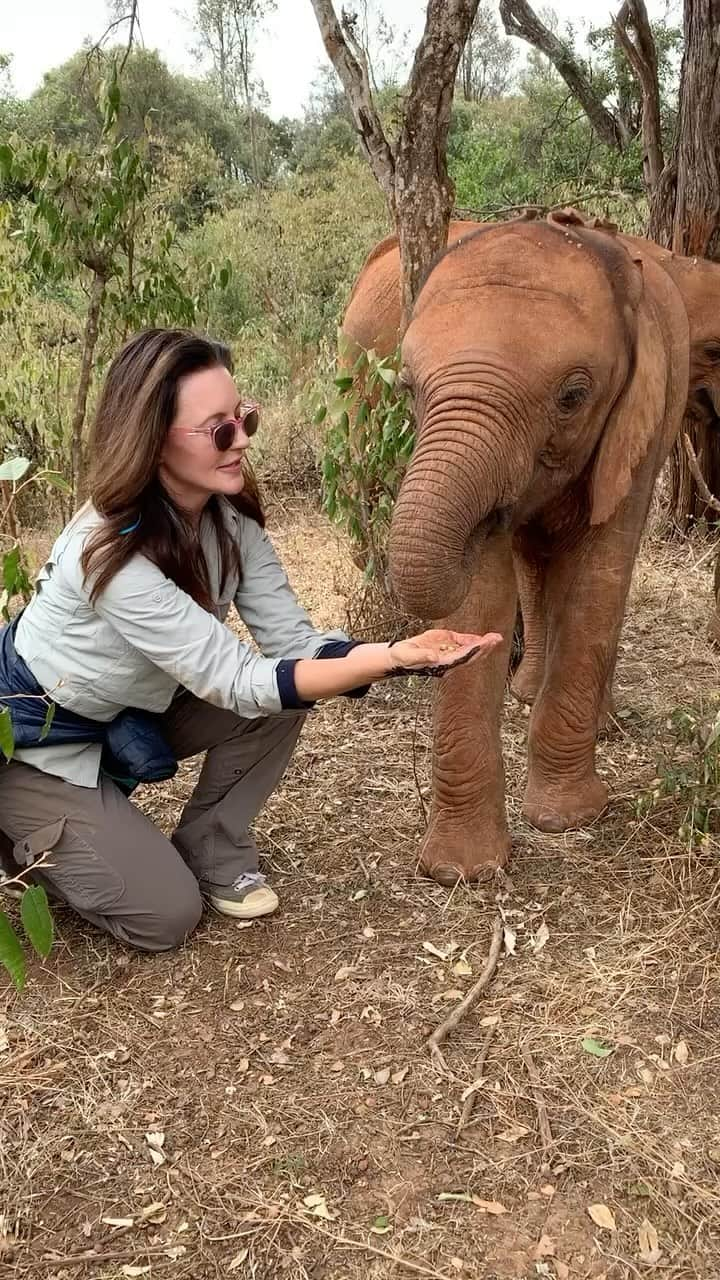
(405, 382)
(712, 351)
(572, 395)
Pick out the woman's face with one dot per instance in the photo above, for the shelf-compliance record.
(191, 468)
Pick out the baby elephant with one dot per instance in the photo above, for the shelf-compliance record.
(549, 368)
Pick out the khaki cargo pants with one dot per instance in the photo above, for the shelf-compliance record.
(112, 864)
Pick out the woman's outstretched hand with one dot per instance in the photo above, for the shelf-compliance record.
(434, 653)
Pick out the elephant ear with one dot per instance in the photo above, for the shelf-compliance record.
(650, 408)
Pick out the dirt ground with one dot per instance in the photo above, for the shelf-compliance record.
(262, 1103)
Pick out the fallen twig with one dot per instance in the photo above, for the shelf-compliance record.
(118, 1255)
(456, 1015)
(347, 1242)
(707, 497)
(546, 1138)
(469, 1102)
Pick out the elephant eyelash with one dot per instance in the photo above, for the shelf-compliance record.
(571, 398)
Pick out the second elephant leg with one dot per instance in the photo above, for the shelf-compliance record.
(467, 831)
(586, 594)
(531, 573)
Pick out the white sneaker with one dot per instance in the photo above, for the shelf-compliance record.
(250, 896)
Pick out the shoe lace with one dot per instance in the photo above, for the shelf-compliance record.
(249, 880)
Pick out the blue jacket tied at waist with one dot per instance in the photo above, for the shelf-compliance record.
(134, 748)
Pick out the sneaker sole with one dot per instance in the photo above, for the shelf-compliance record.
(239, 910)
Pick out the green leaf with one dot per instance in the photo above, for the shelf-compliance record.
(11, 955)
(14, 468)
(49, 717)
(595, 1048)
(7, 737)
(36, 918)
(381, 1225)
(55, 479)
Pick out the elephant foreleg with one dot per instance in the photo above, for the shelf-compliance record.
(530, 575)
(586, 591)
(467, 833)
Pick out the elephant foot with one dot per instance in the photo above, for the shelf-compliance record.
(556, 809)
(526, 682)
(456, 854)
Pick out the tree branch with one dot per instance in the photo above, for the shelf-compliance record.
(356, 83)
(641, 54)
(520, 20)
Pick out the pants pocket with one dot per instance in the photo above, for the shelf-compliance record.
(58, 854)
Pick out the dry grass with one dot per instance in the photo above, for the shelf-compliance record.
(287, 1059)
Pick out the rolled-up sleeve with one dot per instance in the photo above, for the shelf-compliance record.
(153, 615)
(268, 605)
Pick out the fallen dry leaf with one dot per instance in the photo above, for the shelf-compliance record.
(118, 1222)
(238, 1260)
(681, 1052)
(561, 1271)
(155, 1213)
(243, 1065)
(462, 969)
(602, 1217)
(490, 1020)
(650, 1252)
(175, 1252)
(398, 1076)
(513, 1134)
(382, 1076)
(489, 1206)
(4, 1042)
(156, 1142)
(237, 1005)
(466, 1197)
(317, 1205)
(537, 942)
(510, 939)
(135, 1271)
(368, 931)
(545, 1248)
(344, 972)
(279, 1058)
(440, 953)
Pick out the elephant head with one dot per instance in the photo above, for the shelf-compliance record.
(540, 357)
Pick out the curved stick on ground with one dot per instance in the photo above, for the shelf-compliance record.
(454, 1018)
(466, 1116)
(546, 1138)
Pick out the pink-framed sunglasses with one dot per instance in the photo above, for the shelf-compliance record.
(223, 435)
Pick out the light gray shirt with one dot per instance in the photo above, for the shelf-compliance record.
(144, 637)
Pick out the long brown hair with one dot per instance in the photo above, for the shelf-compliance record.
(136, 407)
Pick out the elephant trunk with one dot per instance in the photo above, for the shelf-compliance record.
(458, 491)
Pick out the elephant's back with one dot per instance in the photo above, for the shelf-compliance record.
(372, 317)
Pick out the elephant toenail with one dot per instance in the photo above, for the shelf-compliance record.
(446, 873)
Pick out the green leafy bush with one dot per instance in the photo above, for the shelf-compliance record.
(34, 910)
(690, 774)
(370, 437)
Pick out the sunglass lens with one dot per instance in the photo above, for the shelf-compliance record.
(224, 436)
(250, 422)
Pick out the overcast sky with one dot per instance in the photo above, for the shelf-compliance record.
(40, 34)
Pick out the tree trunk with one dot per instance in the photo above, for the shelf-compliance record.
(685, 211)
(413, 175)
(685, 217)
(90, 337)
